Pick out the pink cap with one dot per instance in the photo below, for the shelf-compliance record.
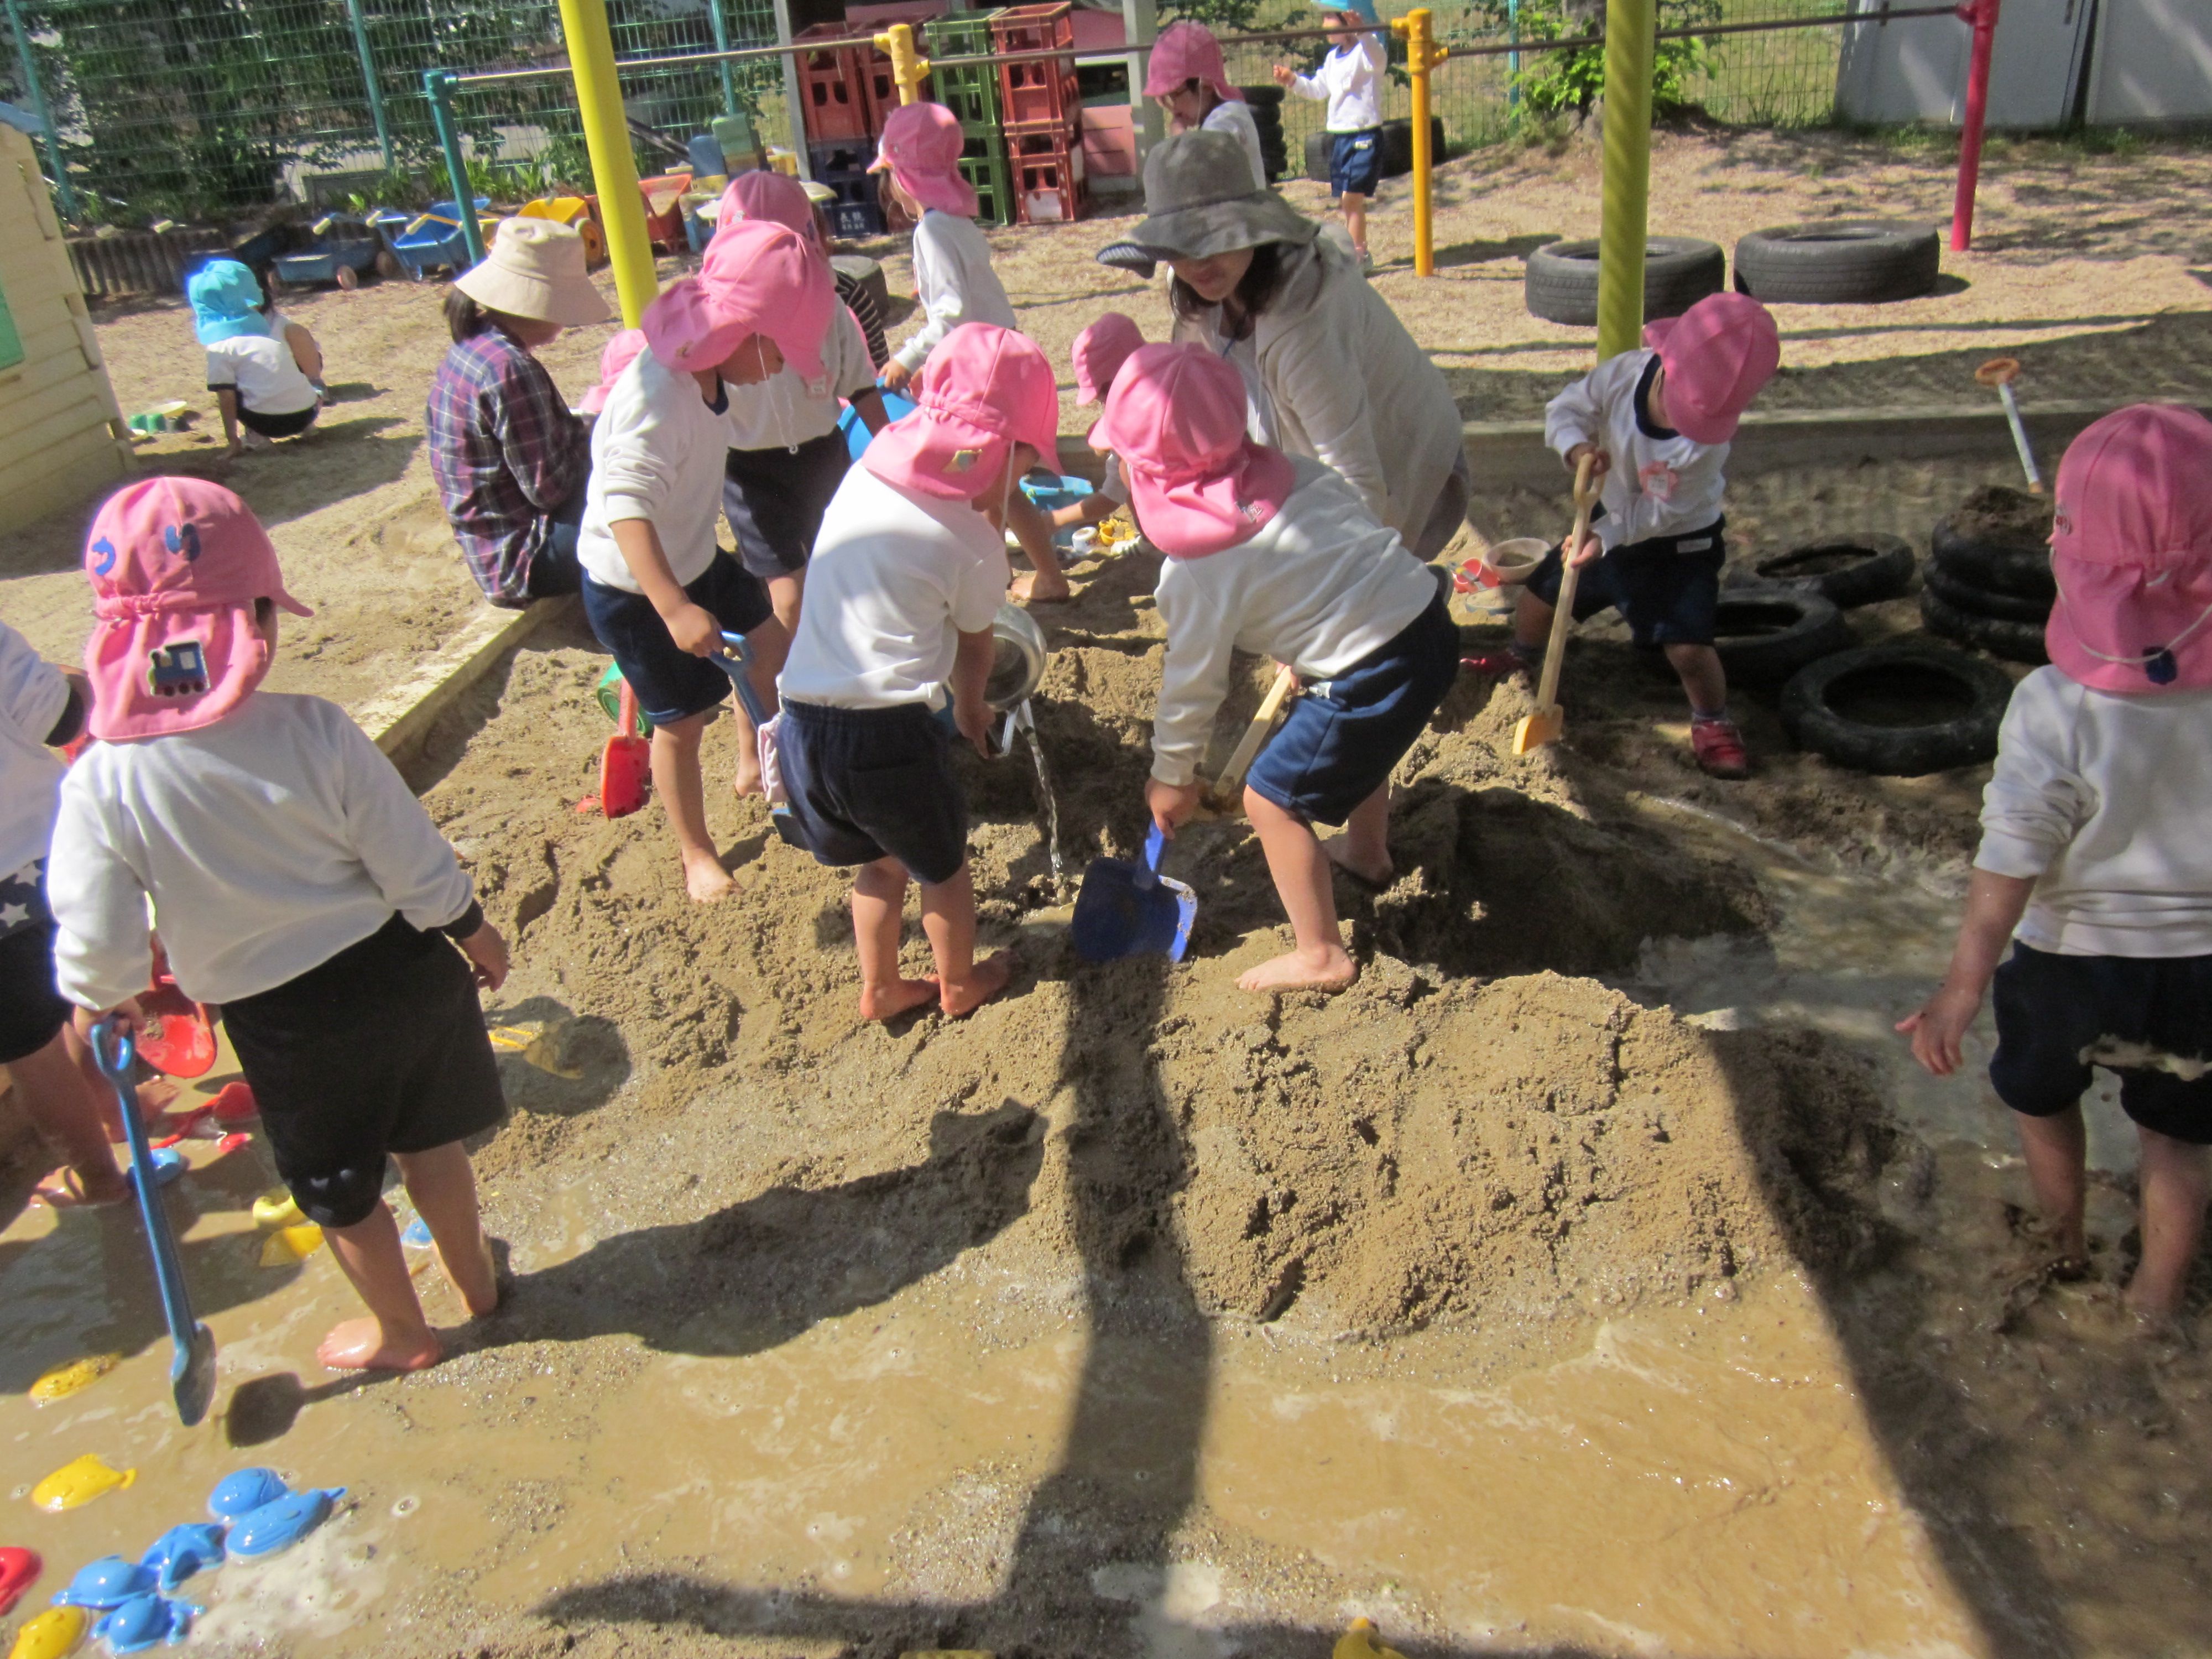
(618, 354)
(1100, 351)
(984, 389)
(766, 194)
(1188, 52)
(176, 565)
(1198, 483)
(1717, 355)
(779, 283)
(2132, 548)
(921, 146)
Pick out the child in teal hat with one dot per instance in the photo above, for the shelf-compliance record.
(266, 373)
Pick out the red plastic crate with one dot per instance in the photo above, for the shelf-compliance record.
(833, 82)
(1109, 140)
(1041, 89)
(1047, 174)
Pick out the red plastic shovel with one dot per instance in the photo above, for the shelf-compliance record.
(626, 763)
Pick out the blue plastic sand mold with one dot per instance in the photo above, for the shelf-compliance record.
(1127, 910)
(243, 1491)
(143, 1620)
(107, 1583)
(280, 1525)
(179, 1552)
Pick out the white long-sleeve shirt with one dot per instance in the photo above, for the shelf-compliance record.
(1661, 483)
(1234, 118)
(780, 412)
(2106, 802)
(1321, 587)
(953, 282)
(267, 842)
(33, 696)
(657, 452)
(1350, 78)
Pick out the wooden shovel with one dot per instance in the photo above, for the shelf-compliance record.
(1224, 795)
(1545, 725)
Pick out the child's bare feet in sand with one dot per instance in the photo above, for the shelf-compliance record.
(746, 781)
(71, 1188)
(900, 996)
(364, 1345)
(984, 980)
(1329, 968)
(1040, 587)
(1376, 875)
(478, 1285)
(704, 878)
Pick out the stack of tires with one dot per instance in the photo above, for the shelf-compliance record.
(1989, 582)
(1395, 147)
(1266, 104)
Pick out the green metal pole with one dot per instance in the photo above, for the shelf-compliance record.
(721, 28)
(1630, 47)
(1512, 59)
(438, 84)
(37, 88)
(368, 79)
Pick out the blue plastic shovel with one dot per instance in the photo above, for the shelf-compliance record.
(1127, 910)
(192, 1363)
(737, 661)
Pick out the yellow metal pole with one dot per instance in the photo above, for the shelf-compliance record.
(614, 168)
(909, 68)
(1422, 55)
(1629, 43)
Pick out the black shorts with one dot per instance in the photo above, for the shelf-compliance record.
(1666, 589)
(774, 500)
(380, 1049)
(872, 783)
(672, 684)
(278, 426)
(2054, 1012)
(32, 1011)
(1355, 162)
(1343, 738)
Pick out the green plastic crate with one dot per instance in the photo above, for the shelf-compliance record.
(985, 169)
(970, 91)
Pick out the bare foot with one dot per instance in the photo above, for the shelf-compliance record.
(1039, 587)
(985, 981)
(2155, 1304)
(363, 1345)
(900, 996)
(155, 1097)
(747, 779)
(1375, 878)
(704, 878)
(71, 1188)
(1328, 969)
(481, 1296)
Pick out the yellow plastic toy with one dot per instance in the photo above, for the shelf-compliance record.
(576, 213)
(1359, 1643)
(275, 1208)
(56, 1632)
(289, 1245)
(63, 1381)
(77, 1484)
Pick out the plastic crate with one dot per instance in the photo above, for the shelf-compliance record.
(1109, 141)
(853, 221)
(984, 168)
(970, 91)
(1047, 172)
(1040, 89)
(833, 83)
(841, 158)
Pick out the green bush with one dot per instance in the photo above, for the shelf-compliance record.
(1570, 83)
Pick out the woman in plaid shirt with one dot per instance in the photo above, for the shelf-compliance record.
(509, 458)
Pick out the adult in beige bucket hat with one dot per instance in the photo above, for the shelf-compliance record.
(509, 458)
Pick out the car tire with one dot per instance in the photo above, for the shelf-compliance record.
(2022, 569)
(1965, 695)
(1396, 145)
(1962, 595)
(1560, 280)
(1766, 633)
(2015, 642)
(1847, 570)
(1844, 262)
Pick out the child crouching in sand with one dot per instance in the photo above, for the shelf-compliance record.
(908, 576)
(296, 881)
(1269, 554)
(2095, 861)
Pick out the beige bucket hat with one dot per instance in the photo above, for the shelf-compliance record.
(536, 270)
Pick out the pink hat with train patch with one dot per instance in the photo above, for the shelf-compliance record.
(920, 149)
(1099, 352)
(984, 389)
(1199, 485)
(176, 565)
(1719, 355)
(2131, 549)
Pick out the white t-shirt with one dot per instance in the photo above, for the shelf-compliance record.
(657, 452)
(896, 578)
(268, 842)
(33, 696)
(2104, 801)
(1235, 119)
(954, 282)
(1657, 485)
(263, 372)
(1350, 78)
(780, 412)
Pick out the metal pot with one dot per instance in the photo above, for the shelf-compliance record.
(1018, 668)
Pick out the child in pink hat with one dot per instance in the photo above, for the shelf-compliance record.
(1271, 553)
(1657, 422)
(295, 881)
(1185, 75)
(908, 574)
(1099, 352)
(659, 592)
(2095, 861)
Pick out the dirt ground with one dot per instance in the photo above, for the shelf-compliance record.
(1594, 1279)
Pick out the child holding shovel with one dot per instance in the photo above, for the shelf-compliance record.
(297, 882)
(1655, 423)
(1269, 554)
(2094, 861)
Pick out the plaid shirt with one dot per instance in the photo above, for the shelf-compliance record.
(507, 454)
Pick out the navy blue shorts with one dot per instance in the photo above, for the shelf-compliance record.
(1666, 589)
(1343, 738)
(672, 684)
(1355, 162)
(2053, 1010)
(872, 783)
(774, 500)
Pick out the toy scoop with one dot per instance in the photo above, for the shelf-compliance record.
(179, 1552)
(143, 1620)
(177, 1037)
(19, 1571)
(51, 1635)
(1127, 909)
(78, 1482)
(280, 1525)
(107, 1583)
(243, 1490)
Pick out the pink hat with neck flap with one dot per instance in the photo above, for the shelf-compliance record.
(1717, 355)
(983, 390)
(920, 149)
(766, 194)
(772, 281)
(1099, 352)
(176, 565)
(1199, 485)
(1188, 52)
(2131, 549)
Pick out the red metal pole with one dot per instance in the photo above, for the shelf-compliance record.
(1983, 16)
